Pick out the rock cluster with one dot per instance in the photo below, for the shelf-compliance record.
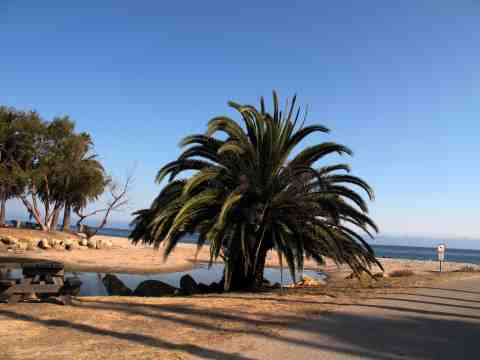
(156, 288)
(308, 281)
(11, 243)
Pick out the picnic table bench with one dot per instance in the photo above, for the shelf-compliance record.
(41, 280)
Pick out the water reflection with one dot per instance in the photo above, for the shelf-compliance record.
(101, 284)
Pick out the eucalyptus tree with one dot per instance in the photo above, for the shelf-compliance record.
(59, 172)
(252, 190)
(19, 135)
(8, 151)
(81, 177)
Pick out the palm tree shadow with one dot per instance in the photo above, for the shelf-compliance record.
(386, 338)
(415, 333)
(131, 337)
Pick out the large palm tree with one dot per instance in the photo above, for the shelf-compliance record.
(249, 192)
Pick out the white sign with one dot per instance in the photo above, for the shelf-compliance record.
(441, 252)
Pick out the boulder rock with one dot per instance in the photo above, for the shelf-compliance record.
(115, 286)
(215, 287)
(9, 240)
(70, 247)
(44, 244)
(92, 243)
(154, 288)
(69, 241)
(32, 243)
(21, 245)
(53, 242)
(188, 285)
(203, 288)
(309, 281)
(83, 242)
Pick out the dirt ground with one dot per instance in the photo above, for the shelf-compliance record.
(173, 327)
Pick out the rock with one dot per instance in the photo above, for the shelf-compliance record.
(115, 286)
(203, 288)
(188, 285)
(33, 243)
(68, 242)
(215, 288)
(31, 246)
(92, 243)
(21, 245)
(154, 288)
(55, 243)
(83, 242)
(70, 247)
(350, 277)
(104, 244)
(44, 244)
(9, 240)
(309, 281)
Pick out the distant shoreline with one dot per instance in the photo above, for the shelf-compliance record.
(124, 257)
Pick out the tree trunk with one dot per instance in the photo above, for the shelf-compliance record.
(3, 201)
(33, 211)
(66, 217)
(252, 278)
(53, 225)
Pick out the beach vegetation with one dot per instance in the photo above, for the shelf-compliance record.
(257, 185)
(49, 166)
(401, 273)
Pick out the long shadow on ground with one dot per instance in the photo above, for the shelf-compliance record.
(411, 332)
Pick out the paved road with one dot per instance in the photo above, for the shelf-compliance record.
(441, 322)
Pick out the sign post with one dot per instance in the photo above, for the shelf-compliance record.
(441, 254)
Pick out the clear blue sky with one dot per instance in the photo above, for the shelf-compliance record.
(397, 81)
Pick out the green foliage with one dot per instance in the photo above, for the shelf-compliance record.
(251, 192)
(48, 161)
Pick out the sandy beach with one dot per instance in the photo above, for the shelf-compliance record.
(125, 257)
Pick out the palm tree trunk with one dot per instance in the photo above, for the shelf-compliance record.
(250, 278)
(262, 258)
(66, 217)
(3, 201)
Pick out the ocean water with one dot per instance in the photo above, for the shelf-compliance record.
(390, 251)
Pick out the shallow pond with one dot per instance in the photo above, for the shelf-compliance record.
(92, 284)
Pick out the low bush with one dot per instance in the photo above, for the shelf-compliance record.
(401, 273)
(467, 268)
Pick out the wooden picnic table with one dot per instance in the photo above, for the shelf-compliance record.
(41, 280)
